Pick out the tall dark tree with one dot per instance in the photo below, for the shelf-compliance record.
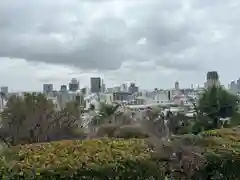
(216, 103)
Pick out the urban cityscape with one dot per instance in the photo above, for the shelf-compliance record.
(119, 90)
(127, 94)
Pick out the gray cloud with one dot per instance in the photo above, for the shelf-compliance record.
(102, 35)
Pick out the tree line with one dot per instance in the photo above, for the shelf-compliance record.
(33, 118)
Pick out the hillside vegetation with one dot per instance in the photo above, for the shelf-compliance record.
(46, 144)
(90, 159)
(211, 154)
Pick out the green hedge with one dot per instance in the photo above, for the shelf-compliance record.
(91, 159)
(222, 153)
(120, 159)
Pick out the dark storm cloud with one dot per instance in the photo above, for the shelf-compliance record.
(102, 35)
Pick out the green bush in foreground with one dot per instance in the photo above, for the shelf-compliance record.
(93, 159)
(221, 150)
(124, 132)
(212, 154)
(130, 131)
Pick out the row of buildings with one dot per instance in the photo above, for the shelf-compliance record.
(234, 86)
(97, 86)
(124, 94)
(85, 97)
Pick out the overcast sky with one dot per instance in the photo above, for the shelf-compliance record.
(150, 42)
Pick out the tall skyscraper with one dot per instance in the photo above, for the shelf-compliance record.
(133, 88)
(177, 85)
(47, 88)
(73, 85)
(232, 85)
(103, 87)
(169, 95)
(4, 89)
(63, 88)
(84, 91)
(212, 79)
(238, 84)
(95, 84)
(212, 75)
(124, 87)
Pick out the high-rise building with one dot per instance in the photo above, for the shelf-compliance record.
(133, 88)
(232, 85)
(63, 88)
(95, 84)
(212, 79)
(103, 87)
(177, 85)
(4, 90)
(124, 88)
(47, 88)
(84, 91)
(73, 85)
(212, 75)
(169, 95)
(238, 84)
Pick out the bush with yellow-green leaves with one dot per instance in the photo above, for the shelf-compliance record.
(223, 152)
(220, 149)
(212, 154)
(91, 159)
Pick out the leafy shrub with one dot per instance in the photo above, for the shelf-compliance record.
(235, 120)
(107, 130)
(131, 131)
(222, 153)
(184, 156)
(93, 159)
(78, 132)
(213, 154)
(190, 139)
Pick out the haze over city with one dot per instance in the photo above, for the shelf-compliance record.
(151, 42)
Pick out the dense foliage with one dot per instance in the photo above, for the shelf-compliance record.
(34, 118)
(217, 153)
(93, 159)
(217, 102)
(223, 152)
(213, 154)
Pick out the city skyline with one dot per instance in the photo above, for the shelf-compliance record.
(151, 42)
(176, 84)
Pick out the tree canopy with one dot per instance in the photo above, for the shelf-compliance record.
(33, 118)
(216, 103)
(106, 113)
